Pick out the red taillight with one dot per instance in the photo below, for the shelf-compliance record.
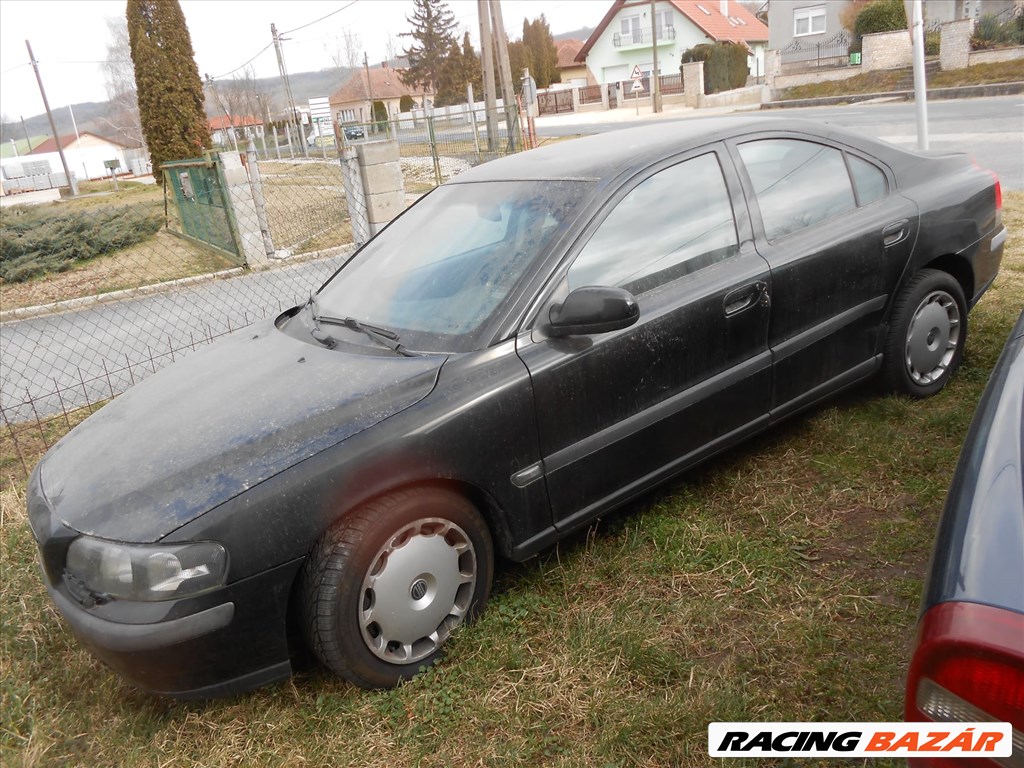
(968, 666)
(999, 192)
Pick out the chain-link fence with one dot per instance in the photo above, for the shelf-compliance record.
(101, 290)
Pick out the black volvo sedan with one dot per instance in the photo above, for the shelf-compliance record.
(531, 345)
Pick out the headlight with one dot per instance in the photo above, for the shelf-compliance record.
(147, 572)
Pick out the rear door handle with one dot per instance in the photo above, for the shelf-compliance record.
(743, 298)
(895, 233)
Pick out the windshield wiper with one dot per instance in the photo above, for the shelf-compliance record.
(317, 332)
(381, 335)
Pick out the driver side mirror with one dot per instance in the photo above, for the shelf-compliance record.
(593, 309)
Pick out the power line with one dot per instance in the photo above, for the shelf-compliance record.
(241, 66)
(315, 21)
(310, 24)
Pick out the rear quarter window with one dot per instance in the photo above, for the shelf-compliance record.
(868, 180)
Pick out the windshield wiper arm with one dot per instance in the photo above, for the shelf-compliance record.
(381, 335)
(317, 332)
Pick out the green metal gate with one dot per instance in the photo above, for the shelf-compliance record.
(202, 202)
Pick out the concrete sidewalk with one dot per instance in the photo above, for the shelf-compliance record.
(627, 113)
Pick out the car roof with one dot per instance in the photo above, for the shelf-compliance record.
(605, 155)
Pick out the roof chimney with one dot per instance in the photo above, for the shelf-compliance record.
(723, 6)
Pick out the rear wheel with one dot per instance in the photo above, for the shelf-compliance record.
(385, 586)
(926, 335)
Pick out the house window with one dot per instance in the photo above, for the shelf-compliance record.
(630, 29)
(809, 21)
(633, 30)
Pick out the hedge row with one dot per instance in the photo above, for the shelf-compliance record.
(36, 242)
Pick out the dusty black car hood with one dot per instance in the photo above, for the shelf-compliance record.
(209, 427)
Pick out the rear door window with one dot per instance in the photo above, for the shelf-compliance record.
(796, 183)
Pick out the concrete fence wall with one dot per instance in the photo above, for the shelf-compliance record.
(955, 50)
(887, 50)
(995, 55)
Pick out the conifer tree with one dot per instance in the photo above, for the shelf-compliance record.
(433, 38)
(170, 92)
(460, 66)
(541, 52)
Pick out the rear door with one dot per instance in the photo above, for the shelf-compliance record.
(837, 237)
(618, 411)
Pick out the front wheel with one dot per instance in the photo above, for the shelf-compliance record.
(926, 335)
(386, 585)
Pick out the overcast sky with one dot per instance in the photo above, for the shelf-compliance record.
(69, 37)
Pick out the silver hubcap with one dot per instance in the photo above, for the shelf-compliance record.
(417, 590)
(932, 338)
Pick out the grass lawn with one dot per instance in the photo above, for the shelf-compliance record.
(778, 582)
(884, 81)
(157, 259)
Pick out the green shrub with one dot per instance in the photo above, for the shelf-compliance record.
(406, 104)
(725, 65)
(932, 43)
(35, 241)
(880, 16)
(990, 32)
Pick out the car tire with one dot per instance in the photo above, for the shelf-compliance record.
(927, 333)
(385, 586)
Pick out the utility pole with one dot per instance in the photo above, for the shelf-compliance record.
(369, 88)
(487, 61)
(288, 90)
(508, 93)
(655, 77)
(25, 129)
(72, 186)
(920, 86)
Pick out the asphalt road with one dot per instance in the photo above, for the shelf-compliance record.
(990, 129)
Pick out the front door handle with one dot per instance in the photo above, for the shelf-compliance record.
(895, 233)
(744, 298)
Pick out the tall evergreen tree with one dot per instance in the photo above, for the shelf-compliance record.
(432, 32)
(461, 66)
(170, 92)
(543, 55)
(473, 70)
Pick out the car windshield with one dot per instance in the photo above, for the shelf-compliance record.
(441, 270)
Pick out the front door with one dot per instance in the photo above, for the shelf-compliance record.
(617, 412)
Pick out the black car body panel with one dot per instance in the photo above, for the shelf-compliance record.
(258, 403)
(979, 551)
(263, 441)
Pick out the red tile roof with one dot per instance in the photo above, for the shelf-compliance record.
(567, 50)
(237, 121)
(50, 145)
(384, 82)
(738, 25)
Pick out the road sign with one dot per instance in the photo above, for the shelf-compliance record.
(637, 74)
(637, 87)
(320, 107)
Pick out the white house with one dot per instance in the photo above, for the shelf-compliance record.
(85, 154)
(623, 38)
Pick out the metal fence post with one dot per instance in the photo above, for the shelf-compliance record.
(433, 149)
(257, 196)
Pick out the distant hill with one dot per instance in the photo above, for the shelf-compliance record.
(577, 34)
(91, 115)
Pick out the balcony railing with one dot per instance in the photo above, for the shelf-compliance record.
(642, 37)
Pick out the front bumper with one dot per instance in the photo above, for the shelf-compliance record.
(220, 643)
